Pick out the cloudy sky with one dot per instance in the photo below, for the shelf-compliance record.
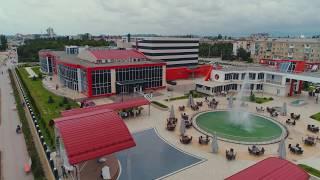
(167, 17)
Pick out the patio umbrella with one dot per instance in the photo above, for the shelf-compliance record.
(284, 109)
(190, 101)
(214, 144)
(172, 112)
(182, 127)
(282, 149)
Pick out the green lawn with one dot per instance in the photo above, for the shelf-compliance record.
(36, 70)
(258, 100)
(316, 116)
(310, 170)
(40, 96)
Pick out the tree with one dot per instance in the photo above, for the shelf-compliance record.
(243, 55)
(219, 36)
(3, 43)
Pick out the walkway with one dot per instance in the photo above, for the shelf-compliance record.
(12, 146)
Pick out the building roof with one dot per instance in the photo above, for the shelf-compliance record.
(93, 134)
(271, 168)
(113, 106)
(116, 54)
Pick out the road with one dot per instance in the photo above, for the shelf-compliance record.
(12, 145)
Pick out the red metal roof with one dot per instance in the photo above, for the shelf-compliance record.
(116, 54)
(114, 106)
(271, 168)
(92, 135)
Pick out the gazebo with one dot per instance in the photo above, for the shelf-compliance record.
(90, 136)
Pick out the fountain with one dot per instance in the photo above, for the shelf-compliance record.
(239, 116)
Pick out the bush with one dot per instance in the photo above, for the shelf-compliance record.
(65, 100)
(34, 78)
(50, 100)
(259, 101)
(68, 107)
(60, 104)
(265, 98)
(270, 98)
(252, 97)
(159, 104)
(40, 76)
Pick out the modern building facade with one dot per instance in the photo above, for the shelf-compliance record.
(281, 48)
(283, 79)
(174, 51)
(103, 72)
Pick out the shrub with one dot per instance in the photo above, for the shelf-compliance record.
(65, 100)
(40, 76)
(50, 100)
(68, 107)
(60, 104)
(265, 98)
(34, 78)
(259, 101)
(270, 98)
(252, 97)
(159, 104)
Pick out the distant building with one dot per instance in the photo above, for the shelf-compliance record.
(281, 48)
(50, 32)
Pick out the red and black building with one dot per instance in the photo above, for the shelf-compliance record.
(103, 72)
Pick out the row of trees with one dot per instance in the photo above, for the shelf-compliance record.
(29, 51)
(223, 50)
(3, 43)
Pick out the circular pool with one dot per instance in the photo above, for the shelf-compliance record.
(253, 129)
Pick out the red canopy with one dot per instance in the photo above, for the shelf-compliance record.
(271, 168)
(113, 106)
(93, 134)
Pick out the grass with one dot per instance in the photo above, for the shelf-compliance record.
(310, 170)
(36, 70)
(39, 99)
(194, 93)
(316, 116)
(159, 104)
(258, 100)
(36, 166)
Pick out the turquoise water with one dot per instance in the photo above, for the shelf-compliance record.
(298, 102)
(261, 129)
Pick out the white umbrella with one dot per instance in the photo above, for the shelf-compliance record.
(214, 144)
(282, 149)
(284, 109)
(171, 116)
(190, 101)
(182, 127)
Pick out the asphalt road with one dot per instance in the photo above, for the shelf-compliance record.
(12, 145)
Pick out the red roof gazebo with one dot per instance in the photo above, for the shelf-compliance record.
(91, 135)
(271, 168)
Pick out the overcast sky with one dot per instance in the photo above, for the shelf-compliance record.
(166, 17)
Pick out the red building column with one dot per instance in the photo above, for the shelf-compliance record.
(89, 82)
(291, 87)
(300, 86)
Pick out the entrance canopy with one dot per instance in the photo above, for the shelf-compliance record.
(113, 106)
(271, 168)
(93, 134)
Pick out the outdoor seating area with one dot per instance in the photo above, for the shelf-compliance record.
(204, 140)
(290, 122)
(171, 126)
(182, 108)
(184, 116)
(255, 150)
(188, 123)
(309, 140)
(132, 112)
(231, 154)
(261, 109)
(213, 104)
(295, 149)
(295, 116)
(199, 104)
(313, 128)
(195, 107)
(185, 139)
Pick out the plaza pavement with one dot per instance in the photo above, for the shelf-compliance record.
(216, 166)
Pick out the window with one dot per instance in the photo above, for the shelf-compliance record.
(101, 82)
